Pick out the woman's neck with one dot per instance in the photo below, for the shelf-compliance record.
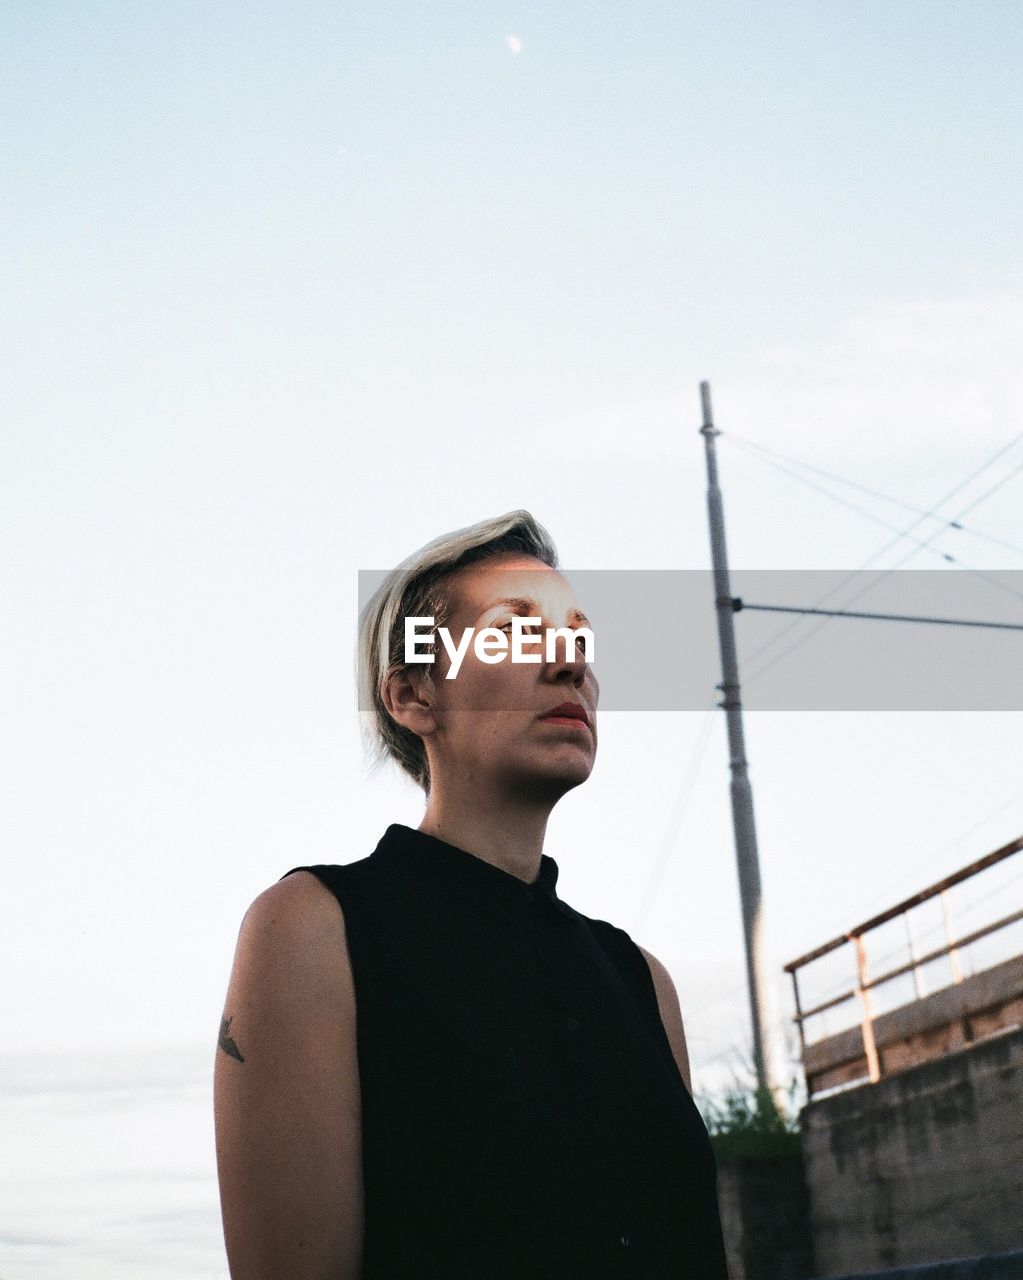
(506, 831)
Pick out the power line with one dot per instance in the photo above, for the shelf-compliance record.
(739, 604)
(757, 449)
(682, 800)
(988, 492)
(758, 672)
(819, 488)
(885, 524)
(999, 484)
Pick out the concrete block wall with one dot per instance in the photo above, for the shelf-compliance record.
(765, 1218)
(921, 1167)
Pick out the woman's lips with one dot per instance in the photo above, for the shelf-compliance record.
(570, 710)
(571, 722)
(567, 714)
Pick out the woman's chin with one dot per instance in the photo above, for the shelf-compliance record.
(555, 777)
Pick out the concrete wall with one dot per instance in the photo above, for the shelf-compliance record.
(924, 1166)
(765, 1218)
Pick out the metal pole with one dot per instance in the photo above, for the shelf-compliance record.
(866, 997)
(799, 1012)
(918, 977)
(953, 954)
(743, 823)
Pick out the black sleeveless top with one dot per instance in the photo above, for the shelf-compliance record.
(523, 1117)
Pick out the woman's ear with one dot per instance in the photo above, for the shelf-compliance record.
(408, 696)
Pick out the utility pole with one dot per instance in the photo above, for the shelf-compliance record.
(744, 826)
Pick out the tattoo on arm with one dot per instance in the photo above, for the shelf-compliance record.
(226, 1043)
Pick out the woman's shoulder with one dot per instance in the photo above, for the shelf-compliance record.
(297, 889)
(297, 913)
(615, 940)
(310, 901)
(651, 981)
(635, 963)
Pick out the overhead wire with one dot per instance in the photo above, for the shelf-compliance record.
(881, 617)
(923, 545)
(682, 799)
(749, 676)
(955, 525)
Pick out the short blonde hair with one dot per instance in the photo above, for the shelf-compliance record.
(418, 588)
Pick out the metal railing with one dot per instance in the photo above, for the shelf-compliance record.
(865, 985)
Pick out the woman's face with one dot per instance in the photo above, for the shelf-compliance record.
(489, 720)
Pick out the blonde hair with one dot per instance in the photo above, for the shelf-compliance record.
(418, 588)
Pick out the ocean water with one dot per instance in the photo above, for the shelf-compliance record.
(108, 1167)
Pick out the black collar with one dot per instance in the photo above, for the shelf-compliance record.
(414, 853)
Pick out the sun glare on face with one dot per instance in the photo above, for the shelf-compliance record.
(530, 723)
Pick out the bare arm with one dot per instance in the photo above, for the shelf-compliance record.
(671, 1015)
(287, 1109)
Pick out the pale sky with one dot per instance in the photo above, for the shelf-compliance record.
(289, 290)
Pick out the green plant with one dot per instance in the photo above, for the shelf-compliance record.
(746, 1122)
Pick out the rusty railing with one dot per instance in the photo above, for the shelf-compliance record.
(925, 1033)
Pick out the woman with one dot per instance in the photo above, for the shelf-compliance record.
(430, 1065)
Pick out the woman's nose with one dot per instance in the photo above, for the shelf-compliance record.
(569, 658)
